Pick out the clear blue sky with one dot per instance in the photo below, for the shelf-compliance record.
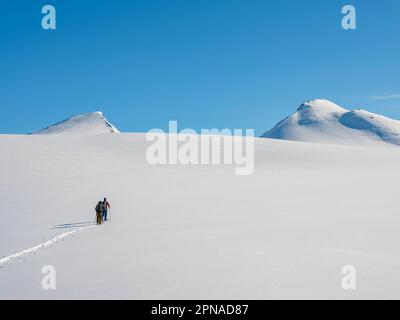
(205, 63)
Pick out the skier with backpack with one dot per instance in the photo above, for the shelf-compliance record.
(99, 212)
(106, 206)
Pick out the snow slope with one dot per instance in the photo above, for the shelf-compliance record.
(325, 122)
(197, 232)
(88, 123)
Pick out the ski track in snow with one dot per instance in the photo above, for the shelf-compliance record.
(41, 245)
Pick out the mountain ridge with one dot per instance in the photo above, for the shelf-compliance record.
(86, 123)
(323, 121)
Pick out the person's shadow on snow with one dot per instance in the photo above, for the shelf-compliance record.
(73, 225)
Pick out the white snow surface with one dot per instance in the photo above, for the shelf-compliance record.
(197, 232)
(323, 121)
(88, 123)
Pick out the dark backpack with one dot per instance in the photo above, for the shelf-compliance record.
(98, 208)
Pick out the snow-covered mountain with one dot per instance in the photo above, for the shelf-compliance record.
(88, 123)
(323, 121)
(284, 232)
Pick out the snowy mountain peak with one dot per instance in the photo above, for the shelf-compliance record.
(323, 105)
(323, 121)
(88, 123)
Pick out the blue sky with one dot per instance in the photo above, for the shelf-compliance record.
(206, 63)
